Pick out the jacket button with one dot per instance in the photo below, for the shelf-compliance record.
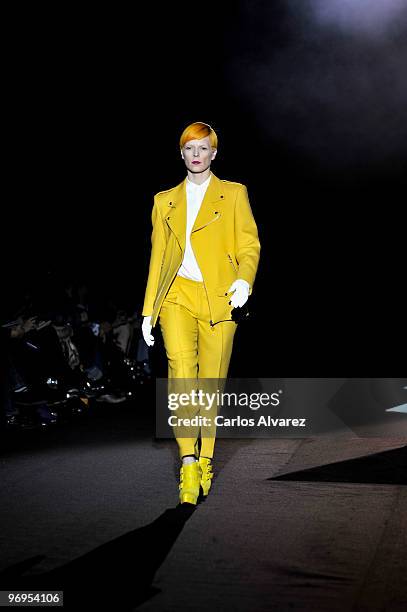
(226, 293)
(216, 212)
(168, 218)
(221, 196)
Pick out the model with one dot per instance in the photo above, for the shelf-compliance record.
(204, 259)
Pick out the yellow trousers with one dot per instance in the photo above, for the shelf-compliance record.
(196, 351)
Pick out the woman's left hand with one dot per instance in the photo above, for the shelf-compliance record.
(241, 292)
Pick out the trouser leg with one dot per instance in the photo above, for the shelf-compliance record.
(215, 345)
(214, 352)
(179, 329)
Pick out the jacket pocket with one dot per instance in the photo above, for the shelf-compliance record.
(222, 290)
(231, 262)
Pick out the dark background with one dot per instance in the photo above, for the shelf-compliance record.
(310, 115)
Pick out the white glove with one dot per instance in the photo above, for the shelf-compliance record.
(146, 328)
(241, 292)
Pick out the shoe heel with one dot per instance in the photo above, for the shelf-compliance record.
(187, 498)
(205, 491)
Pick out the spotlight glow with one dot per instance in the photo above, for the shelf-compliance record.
(372, 16)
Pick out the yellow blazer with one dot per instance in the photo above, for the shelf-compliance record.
(224, 239)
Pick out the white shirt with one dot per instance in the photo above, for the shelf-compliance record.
(195, 194)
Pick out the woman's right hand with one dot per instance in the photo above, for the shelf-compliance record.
(146, 330)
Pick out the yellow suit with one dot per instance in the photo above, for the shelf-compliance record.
(224, 239)
(195, 316)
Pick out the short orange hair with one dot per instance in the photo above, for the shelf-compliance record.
(196, 131)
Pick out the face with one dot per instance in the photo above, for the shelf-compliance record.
(198, 154)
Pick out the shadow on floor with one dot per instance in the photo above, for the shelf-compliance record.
(116, 575)
(387, 467)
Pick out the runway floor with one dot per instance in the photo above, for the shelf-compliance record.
(290, 524)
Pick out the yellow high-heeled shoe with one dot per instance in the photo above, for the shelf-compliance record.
(190, 476)
(206, 474)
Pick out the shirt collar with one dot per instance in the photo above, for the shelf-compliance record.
(192, 185)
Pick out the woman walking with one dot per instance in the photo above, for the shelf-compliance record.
(205, 253)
